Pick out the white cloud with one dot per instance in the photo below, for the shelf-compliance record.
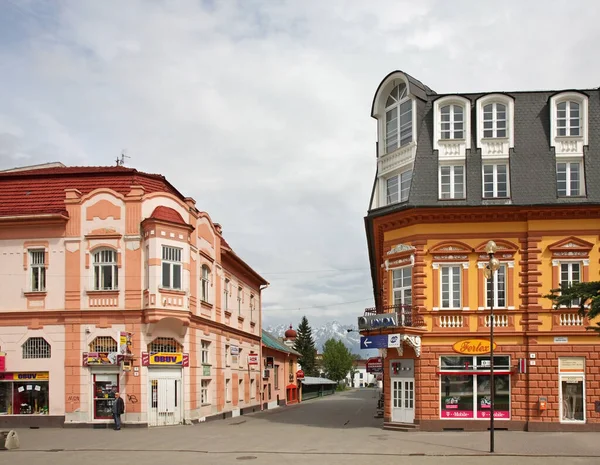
(260, 110)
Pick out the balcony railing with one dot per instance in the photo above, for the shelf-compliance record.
(408, 316)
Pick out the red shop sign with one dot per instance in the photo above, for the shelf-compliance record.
(2, 361)
(299, 374)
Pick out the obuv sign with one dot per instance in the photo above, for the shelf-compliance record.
(386, 320)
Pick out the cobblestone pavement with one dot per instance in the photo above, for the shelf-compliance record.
(334, 430)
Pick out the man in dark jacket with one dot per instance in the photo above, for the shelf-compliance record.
(118, 409)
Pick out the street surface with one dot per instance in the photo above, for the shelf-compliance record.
(334, 430)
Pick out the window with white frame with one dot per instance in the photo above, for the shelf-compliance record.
(568, 179)
(452, 122)
(494, 121)
(276, 376)
(106, 271)
(205, 392)
(103, 344)
(451, 286)
(228, 390)
(252, 388)
(241, 390)
(227, 355)
(226, 295)
(452, 182)
(496, 289)
(37, 263)
(171, 267)
(568, 119)
(398, 119)
(205, 352)
(402, 285)
(239, 301)
(570, 273)
(147, 268)
(252, 304)
(36, 347)
(495, 180)
(398, 187)
(205, 282)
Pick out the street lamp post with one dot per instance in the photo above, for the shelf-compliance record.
(489, 272)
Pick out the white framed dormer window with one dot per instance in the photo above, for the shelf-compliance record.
(452, 122)
(398, 119)
(451, 286)
(568, 124)
(569, 176)
(171, 268)
(495, 125)
(106, 271)
(496, 180)
(452, 127)
(452, 182)
(397, 187)
(37, 264)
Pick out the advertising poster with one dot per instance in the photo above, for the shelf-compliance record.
(125, 339)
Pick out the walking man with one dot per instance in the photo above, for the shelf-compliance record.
(118, 408)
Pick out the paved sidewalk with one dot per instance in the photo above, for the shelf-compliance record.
(291, 434)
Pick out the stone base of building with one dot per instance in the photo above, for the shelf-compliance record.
(107, 425)
(470, 425)
(32, 421)
(543, 427)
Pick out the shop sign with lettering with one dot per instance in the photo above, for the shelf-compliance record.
(2, 361)
(99, 358)
(166, 359)
(473, 346)
(385, 320)
(39, 376)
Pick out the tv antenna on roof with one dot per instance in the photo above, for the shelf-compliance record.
(121, 161)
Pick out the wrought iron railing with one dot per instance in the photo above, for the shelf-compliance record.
(408, 316)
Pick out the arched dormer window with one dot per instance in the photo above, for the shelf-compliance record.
(452, 122)
(494, 120)
(495, 123)
(568, 118)
(106, 272)
(398, 119)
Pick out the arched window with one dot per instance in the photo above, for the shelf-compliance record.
(103, 344)
(494, 120)
(165, 344)
(36, 347)
(106, 272)
(398, 119)
(452, 122)
(568, 119)
(205, 283)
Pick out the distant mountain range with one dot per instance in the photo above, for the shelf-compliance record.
(329, 330)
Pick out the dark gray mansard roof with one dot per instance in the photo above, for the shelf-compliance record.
(532, 163)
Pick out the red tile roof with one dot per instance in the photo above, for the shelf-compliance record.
(42, 191)
(167, 214)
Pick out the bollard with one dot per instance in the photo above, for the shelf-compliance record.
(12, 440)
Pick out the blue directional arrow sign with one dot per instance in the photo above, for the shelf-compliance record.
(374, 342)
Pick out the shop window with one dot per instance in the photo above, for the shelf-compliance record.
(204, 392)
(572, 389)
(466, 389)
(165, 345)
(103, 344)
(27, 397)
(36, 347)
(105, 387)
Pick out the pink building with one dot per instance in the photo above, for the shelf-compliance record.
(114, 281)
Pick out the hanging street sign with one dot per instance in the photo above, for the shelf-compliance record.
(384, 320)
(375, 365)
(381, 341)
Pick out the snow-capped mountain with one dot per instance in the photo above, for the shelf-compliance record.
(332, 329)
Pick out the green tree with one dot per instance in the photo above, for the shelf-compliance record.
(587, 296)
(337, 360)
(305, 345)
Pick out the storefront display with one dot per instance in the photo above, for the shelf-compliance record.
(105, 387)
(572, 392)
(465, 387)
(24, 393)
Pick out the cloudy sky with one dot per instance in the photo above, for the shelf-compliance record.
(260, 110)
